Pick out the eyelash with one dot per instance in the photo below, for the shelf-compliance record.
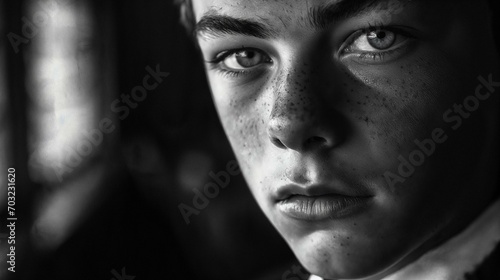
(226, 72)
(215, 64)
(229, 73)
(379, 55)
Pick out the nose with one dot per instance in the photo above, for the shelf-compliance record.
(301, 117)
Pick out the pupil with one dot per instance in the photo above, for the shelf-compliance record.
(381, 39)
(248, 54)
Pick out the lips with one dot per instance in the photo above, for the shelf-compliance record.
(319, 202)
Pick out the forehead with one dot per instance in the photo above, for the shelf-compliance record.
(283, 10)
(278, 16)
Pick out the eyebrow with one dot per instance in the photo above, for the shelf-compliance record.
(214, 25)
(323, 16)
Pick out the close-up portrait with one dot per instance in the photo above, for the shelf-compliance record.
(249, 139)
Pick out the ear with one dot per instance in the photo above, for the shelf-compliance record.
(186, 15)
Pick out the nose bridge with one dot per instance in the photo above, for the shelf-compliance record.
(297, 118)
(304, 77)
(292, 102)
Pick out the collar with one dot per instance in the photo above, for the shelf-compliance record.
(460, 255)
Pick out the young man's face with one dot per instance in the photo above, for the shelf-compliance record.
(338, 112)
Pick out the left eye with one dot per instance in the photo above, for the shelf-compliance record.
(375, 40)
(381, 39)
(244, 59)
(377, 44)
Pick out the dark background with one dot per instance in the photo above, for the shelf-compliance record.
(166, 147)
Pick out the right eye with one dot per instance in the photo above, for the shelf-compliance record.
(240, 60)
(244, 59)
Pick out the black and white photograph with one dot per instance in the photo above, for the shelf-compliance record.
(249, 139)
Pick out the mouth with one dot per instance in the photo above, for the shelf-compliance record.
(319, 203)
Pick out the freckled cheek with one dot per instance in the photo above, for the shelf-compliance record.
(244, 122)
(391, 111)
(248, 139)
(248, 135)
(415, 93)
(397, 130)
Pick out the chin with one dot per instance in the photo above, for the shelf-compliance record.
(331, 255)
(337, 266)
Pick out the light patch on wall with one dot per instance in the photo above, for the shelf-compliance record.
(61, 83)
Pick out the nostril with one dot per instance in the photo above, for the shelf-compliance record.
(315, 140)
(277, 142)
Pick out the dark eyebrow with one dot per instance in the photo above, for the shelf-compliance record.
(213, 24)
(323, 16)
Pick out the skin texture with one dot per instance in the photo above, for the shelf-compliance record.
(313, 114)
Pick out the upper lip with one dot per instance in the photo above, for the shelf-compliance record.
(286, 191)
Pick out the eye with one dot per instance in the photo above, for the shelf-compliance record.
(378, 39)
(240, 62)
(242, 59)
(376, 43)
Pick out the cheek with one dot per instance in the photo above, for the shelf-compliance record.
(243, 118)
(392, 106)
(389, 108)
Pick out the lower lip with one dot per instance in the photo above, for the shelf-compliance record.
(315, 208)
